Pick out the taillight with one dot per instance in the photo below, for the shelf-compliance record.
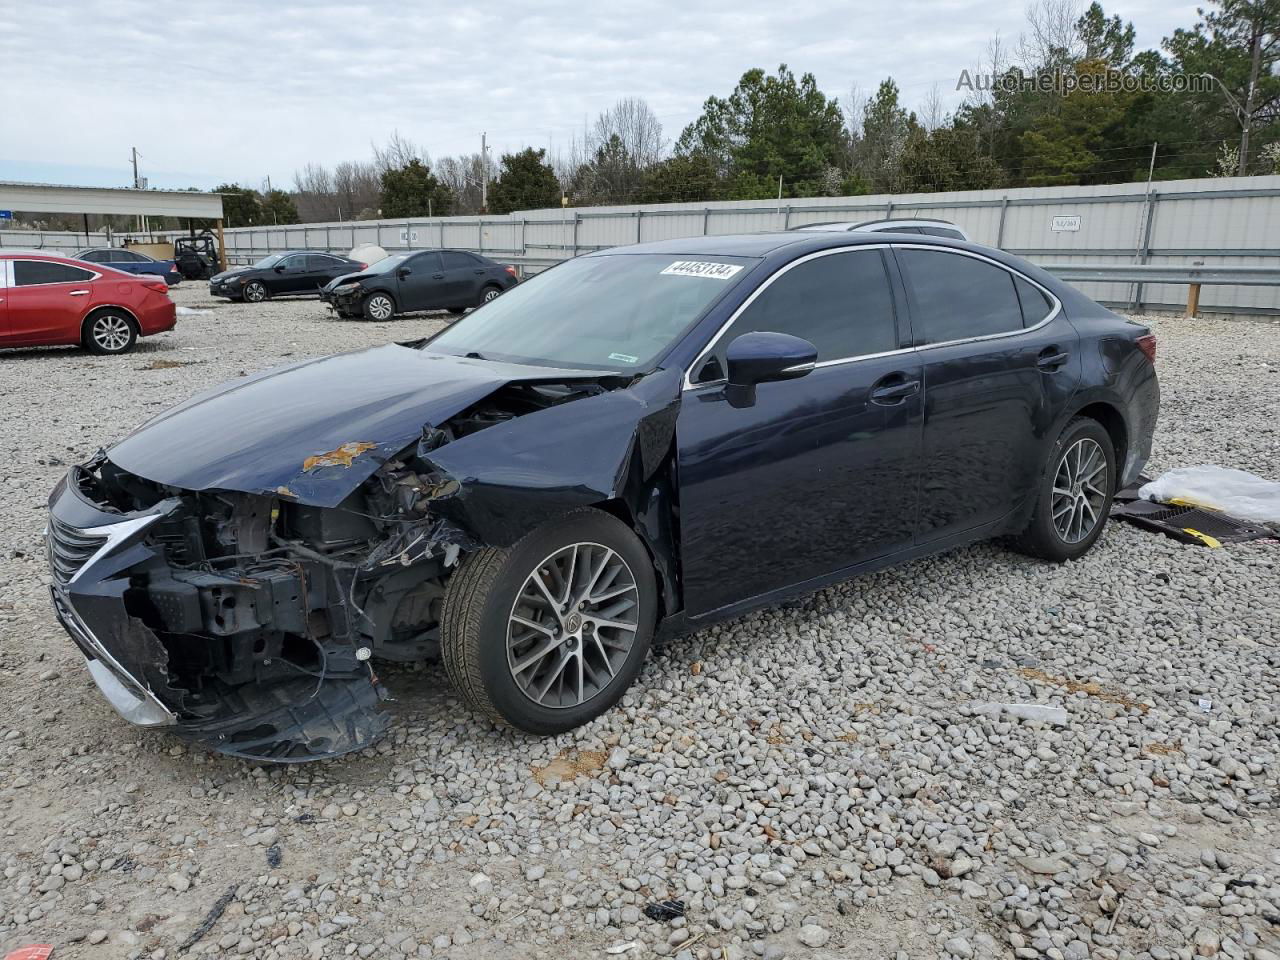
(364, 267)
(1147, 344)
(510, 269)
(159, 287)
(173, 268)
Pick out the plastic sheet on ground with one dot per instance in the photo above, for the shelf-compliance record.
(1231, 491)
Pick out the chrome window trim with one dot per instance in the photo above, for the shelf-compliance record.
(4, 273)
(13, 276)
(1049, 317)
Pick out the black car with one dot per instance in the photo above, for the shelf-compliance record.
(412, 280)
(292, 273)
(635, 443)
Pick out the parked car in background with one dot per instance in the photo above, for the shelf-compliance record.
(290, 274)
(47, 300)
(636, 443)
(130, 261)
(412, 280)
(930, 228)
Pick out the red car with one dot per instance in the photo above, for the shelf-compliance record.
(47, 300)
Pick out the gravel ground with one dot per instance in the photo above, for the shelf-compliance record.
(817, 780)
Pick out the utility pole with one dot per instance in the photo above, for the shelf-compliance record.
(274, 218)
(135, 167)
(484, 175)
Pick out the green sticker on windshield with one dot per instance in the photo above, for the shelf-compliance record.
(623, 358)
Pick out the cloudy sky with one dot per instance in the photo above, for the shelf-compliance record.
(238, 90)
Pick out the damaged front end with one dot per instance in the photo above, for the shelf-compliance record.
(234, 568)
(249, 622)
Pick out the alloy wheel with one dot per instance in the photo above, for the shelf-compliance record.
(380, 308)
(1079, 490)
(255, 292)
(572, 625)
(490, 294)
(112, 333)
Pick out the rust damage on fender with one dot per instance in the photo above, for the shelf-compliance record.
(247, 601)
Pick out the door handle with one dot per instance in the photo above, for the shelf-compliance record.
(891, 394)
(78, 293)
(477, 272)
(437, 276)
(1051, 359)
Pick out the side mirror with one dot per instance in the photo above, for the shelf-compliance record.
(764, 358)
(279, 268)
(403, 272)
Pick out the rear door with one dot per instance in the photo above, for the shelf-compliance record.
(324, 268)
(4, 301)
(126, 261)
(463, 277)
(419, 280)
(46, 301)
(1000, 364)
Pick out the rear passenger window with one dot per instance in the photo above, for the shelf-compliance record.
(318, 261)
(1035, 305)
(453, 260)
(28, 273)
(841, 303)
(958, 297)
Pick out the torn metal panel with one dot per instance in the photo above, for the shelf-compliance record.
(519, 474)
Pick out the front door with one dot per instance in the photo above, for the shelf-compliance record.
(290, 275)
(820, 473)
(419, 287)
(1000, 364)
(46, 301)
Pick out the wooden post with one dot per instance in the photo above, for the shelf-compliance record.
(1193, 300)
(222, 246)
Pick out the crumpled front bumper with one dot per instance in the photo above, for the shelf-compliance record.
(100, 563)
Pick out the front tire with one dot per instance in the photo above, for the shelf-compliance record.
(109, 333)
(378, 307)
(549, 633)
(255, 291)
(1074, 497)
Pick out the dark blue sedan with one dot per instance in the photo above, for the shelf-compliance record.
(633, 444)
(130, 261)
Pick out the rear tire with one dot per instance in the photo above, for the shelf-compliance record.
(378, 307)
(457, 311)
(1073, 499)
(490, 292)
(109, 333)
(545, 667)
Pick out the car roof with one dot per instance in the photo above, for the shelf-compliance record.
(836, 225)
(722, 245)
(19, 252)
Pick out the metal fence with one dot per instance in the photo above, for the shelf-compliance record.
(1212, 222)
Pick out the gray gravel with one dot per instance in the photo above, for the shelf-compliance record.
(819, 780)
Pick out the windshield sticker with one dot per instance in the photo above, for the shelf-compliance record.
(702, 268)
(623, 358)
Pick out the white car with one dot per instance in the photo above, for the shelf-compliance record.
(932, 228)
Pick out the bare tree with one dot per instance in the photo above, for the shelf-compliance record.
(1052, 39)
(314, 194)
(397, 153)
(933, 113)
(356, 188)
(463, 175)
(634, 123)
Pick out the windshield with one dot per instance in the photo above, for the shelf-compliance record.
(269, 261)
(388, 262)
(613, 312)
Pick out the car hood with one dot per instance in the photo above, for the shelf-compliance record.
(315, 430)
(352, 277)
(228, 274)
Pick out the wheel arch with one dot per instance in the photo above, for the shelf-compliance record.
(104, 307)
(1112, 419)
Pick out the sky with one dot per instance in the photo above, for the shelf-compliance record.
(241, 90)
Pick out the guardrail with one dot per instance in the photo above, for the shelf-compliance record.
(1194, 276)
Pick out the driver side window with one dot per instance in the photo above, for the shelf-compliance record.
(841, 303)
